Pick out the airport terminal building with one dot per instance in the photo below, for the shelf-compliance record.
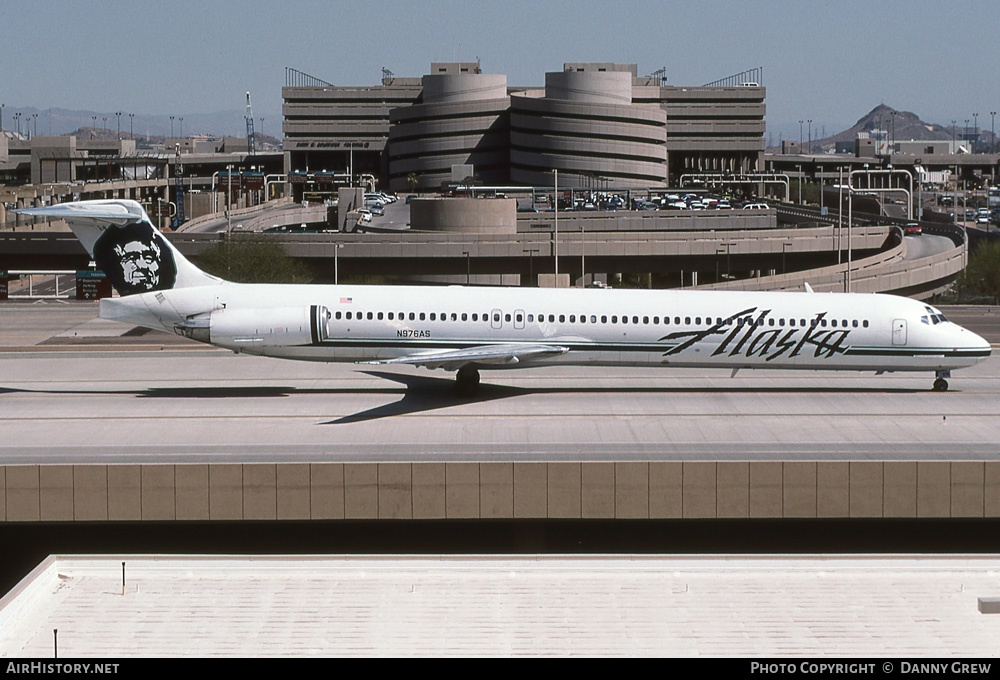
(599, 124)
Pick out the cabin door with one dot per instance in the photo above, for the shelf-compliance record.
(899, 332)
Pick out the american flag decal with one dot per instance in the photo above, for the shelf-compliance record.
(346, 300)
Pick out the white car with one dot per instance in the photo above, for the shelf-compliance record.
(755, 206)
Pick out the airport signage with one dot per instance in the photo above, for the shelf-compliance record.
(92, 285)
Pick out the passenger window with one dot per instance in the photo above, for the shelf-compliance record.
(572, 318)
(412, 316)
(635, 319)
(604, 319)
(496, 317)
(593, 318)
(687, 320)
(614, 319)
(506, 317)
(656, 321)
(349, 316)
(531, 317)
(677, 321)
(380, 316)
(433, 316)
(562, 318)
(519, 318)
(645, 320)
(697, 321)
(475, 317)
(370, 316)
(865, 323)
(855, 323)
(465, 316)
(624, 319)
(421, 316)
(337, 316)
(552, 318)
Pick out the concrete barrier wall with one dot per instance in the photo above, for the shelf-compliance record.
(602, 490)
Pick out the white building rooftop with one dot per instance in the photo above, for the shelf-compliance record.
(859, 606)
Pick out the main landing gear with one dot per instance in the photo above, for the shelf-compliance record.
(467, 381)
(940, 384)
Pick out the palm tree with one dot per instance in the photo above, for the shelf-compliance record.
(412, 180)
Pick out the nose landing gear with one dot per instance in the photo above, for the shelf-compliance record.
(940, 384)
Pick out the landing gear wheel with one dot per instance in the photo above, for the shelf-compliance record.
(940, 385)
(467, 381)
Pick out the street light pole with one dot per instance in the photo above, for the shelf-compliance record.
(229, 197)
(555, 201)
(993, 137)
(840, 212)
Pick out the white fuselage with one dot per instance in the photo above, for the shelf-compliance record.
(593, 326)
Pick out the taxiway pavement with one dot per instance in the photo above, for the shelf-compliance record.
(80, 391)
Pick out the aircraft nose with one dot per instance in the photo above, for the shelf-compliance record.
(972, 341)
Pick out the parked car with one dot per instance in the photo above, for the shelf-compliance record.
(755, 206)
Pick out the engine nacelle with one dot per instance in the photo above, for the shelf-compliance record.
(251, 330)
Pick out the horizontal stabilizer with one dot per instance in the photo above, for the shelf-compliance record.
(482, 355)
(126, 246)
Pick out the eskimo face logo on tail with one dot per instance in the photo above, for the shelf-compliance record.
(135, 258)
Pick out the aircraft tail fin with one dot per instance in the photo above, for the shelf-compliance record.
(126, 246)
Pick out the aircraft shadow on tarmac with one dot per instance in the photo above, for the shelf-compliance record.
(428, 393)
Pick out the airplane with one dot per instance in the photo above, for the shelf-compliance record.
(468, 329)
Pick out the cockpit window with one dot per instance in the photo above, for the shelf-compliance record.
(933, 317)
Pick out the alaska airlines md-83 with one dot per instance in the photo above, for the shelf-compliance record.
(467, 329)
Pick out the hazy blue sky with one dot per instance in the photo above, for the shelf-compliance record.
(829, 61)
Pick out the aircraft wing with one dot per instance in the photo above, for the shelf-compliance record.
(482, 355)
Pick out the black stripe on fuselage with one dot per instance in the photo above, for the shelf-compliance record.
(465, 344)
(314, 324)
(916, 352)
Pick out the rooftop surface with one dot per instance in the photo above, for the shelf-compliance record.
(881, 606)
